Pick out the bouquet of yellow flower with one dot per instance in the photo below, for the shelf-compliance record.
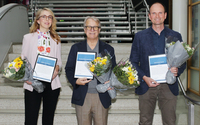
(126, 75)
(20, 70)
(15, 69)
(123, 77)
(100, 66)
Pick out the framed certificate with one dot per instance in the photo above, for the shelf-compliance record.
(158, 67)
(44, 68)
(81, 69)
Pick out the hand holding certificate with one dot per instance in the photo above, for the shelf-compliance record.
(44, 68)
(158, 67)
(81, 70)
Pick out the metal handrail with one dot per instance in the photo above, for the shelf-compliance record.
(185, 95)
(145, 4)
(33, 9)
(129, 15)
(191, 102)
(10, 6)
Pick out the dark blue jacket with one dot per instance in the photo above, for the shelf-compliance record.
(142, 47)
(80, 91)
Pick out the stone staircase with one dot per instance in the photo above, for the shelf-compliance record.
(123, 111)
(118, 19)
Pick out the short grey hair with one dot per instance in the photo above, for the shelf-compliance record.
(93, 18)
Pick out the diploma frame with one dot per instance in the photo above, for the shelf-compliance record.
(44, 68)
(158, 67)
(81, 69)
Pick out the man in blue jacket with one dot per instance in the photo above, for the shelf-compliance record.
(89, 104)
(152, 42)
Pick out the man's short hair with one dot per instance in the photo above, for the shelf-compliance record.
(159, 3)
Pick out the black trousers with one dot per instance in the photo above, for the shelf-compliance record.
(33, 101)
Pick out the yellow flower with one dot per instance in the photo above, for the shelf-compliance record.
(18, 64)
(92, 68)
(129, 69)
(98, 59)
(104, 61)
(17, 59)
(10, 65)
(131, 79)
(130, 73)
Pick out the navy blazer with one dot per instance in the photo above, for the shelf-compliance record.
(80, 91)
(142, 47)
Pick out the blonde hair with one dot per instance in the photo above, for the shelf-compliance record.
(52, 28)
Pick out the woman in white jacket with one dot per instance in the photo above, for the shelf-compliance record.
(44, 40)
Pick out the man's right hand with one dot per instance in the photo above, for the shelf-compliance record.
(150, 82)
(82, 81)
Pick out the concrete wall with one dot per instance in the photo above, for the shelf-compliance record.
(13, 25)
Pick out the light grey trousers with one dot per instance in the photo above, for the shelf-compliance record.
(91, 109)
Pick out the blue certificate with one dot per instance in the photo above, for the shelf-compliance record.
(81, 70)
(158, 67)
(44, 68)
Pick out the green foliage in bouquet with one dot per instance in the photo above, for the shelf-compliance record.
(100, 65)
(126, 74)
(189, 50)
(15, 69)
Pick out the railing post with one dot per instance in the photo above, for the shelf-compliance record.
(190, 113)
(124, 6)
(129, 15)
(147, 21)
(135, 22)
(32, 12)
(190, 105)
(35, 6)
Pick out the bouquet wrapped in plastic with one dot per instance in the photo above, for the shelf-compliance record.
(101, 68)
(123, 77)
(20, 70)
(177, 53)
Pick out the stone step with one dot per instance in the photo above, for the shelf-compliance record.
(78, 2)
(65, 103)
(15, 90)
(78, 39)
(83, 18)
(101, 33)
(80, 5)
(86, 10)
(102, 23)
(19, 91)
(64, 57)
(70, 119)
(127, 109)
(72, 111)
(89, 14)
(102, 28)
(65, 47)
(122, 50)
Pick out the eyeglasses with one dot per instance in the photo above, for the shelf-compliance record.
(46, 17)
(92, 27)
